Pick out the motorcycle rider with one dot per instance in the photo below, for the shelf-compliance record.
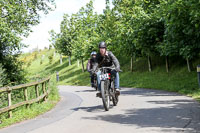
(90, 65)
(107, 59)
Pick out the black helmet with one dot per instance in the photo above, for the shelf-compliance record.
(102, 45)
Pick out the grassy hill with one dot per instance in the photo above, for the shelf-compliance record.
(22, 113)
(177, 80)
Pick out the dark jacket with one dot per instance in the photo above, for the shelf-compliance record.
(90, 64)
(108, 60)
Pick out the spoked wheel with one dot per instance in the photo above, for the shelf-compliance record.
(105, 95)
(114, 96)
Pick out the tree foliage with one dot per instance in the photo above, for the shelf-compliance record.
(16, 19)
(138, 28)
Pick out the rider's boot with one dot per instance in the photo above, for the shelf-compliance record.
(98, 94)
(117, 91)
(92, 85)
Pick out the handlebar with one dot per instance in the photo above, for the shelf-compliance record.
(112, 68)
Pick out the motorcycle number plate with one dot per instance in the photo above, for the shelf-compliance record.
(104, 76)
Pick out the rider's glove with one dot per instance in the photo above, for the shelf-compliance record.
(92, 72)
(118, 69)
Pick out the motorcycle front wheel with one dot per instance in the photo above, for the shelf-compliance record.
(105, 95)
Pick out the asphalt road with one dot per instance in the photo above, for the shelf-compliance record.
(138, 111)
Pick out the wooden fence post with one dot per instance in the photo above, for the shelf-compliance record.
(44, 91)
(47, 88)
(26, 96)
(36, 91)
(9, 103)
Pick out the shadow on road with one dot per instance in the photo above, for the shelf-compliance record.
(145, 117)
(148, 92)
(98, 108)
(156, 117)
(86, 91)
(178, 114)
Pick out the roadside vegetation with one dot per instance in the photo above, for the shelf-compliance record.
(157, 42)
(16, 20)
(178, 79)
(32, 69)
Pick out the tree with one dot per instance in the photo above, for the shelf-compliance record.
(66, 37)
(54, 39)
(125, 36)
(142, 28)
(83, 26)
(16, 20)
(149, 29)
(181, 29)
(163, 28)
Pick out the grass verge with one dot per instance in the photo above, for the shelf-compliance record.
(23, 113)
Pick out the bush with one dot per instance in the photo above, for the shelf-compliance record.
(13, 70)
(50, 59)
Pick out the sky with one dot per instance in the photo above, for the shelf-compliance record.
(40, 36)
